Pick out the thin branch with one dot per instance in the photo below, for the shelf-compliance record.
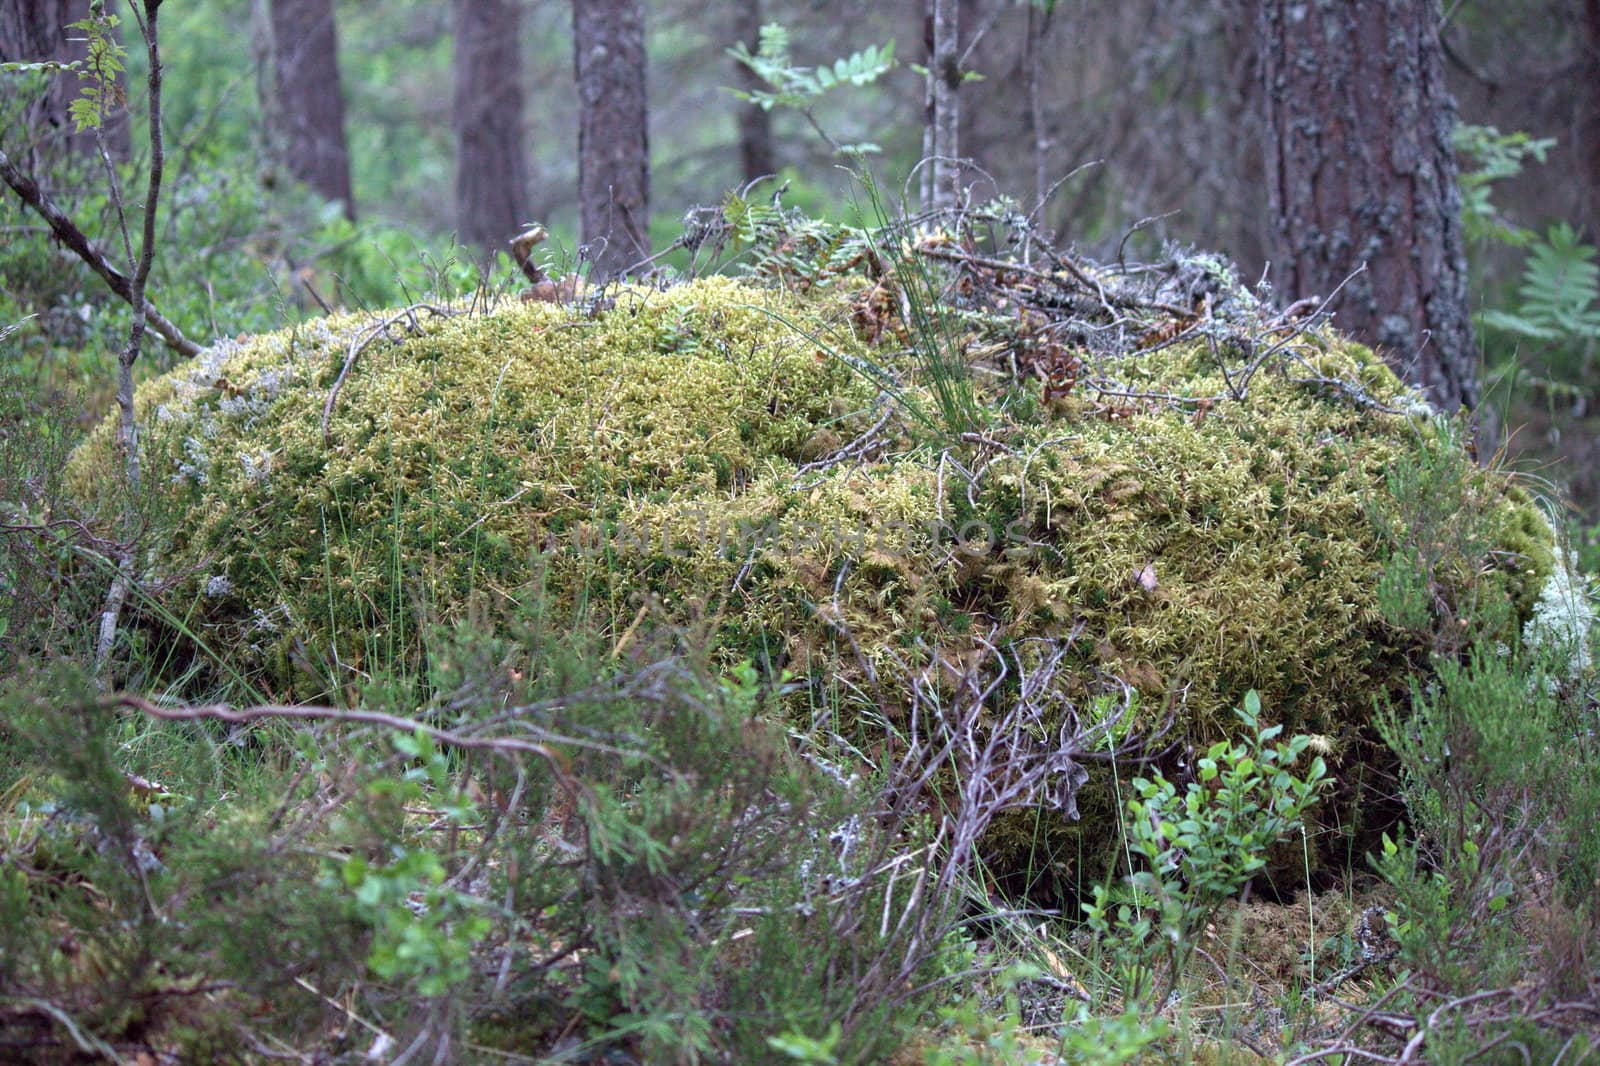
(359, 344)
(67, 232)
(222, 712)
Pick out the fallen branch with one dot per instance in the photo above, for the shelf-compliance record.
(540, 743)
(359, 344)
(224, 713)
(1125, 301)
(67, 232)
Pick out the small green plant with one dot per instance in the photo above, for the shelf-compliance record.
(815, 1051)
(800, 87)
(98, 71)
(1559, 291)
(423, 932)
(1552, 322)
(423, 928)
(1497, 156)
(936, 340)
(1555, 321)
(1089, 1039)
(101, 93)
(976, 1034)
(914, 289)
(1197, 849)
(1498, 768)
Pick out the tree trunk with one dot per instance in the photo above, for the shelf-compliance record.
(1039, 20)
(755, 124)
(1360, 169)
(941, 39)
(613, 139)
(491, 161)
(35, 30)
(1587, 80)
(308, 109)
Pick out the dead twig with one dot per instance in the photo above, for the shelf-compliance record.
(362, 340)
(1111, 299)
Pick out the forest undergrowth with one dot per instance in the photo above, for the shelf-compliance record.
(547, 842)
(584, 829)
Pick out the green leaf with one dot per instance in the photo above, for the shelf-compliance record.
(354, 871)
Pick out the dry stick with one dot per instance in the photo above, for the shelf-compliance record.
(1110, 299)
(549, 749)
(1135, 228)
(1297, 331)
(224, 713)
(359, 344)
(71, 236)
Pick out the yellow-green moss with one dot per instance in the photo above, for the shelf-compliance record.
(643, 448)
(452, 455)
(651, 453)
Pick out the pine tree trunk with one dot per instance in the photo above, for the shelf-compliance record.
(755, 124)
(1360, 169)
(308, 109)
(1588, 80)
(1039, 21)
(491, 161)
(613, 138)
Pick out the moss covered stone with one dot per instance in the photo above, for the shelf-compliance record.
(659, 454)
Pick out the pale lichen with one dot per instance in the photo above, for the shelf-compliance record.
(1562, 620)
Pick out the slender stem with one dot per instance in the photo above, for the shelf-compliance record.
(129, 427)
(68, 233)
(147, 245)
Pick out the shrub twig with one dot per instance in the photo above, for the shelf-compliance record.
(68, 233)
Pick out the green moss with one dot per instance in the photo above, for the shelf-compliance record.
(452, 453)
(648, 457)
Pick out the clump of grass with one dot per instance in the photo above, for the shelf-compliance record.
(936, 340)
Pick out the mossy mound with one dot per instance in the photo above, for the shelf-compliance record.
(335, 527)
(662, 453)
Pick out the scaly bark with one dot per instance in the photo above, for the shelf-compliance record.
(756, 159)
(1588, 82)
(613, 136)
(491, 160)
(1361, 170)
(309, 106)
(941, 148)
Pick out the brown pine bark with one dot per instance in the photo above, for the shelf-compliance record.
(613, 136)
(1038, 27)
(756, 159)
(1360, 170)
(1588, 82)
(309, 106)
(491, 161)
